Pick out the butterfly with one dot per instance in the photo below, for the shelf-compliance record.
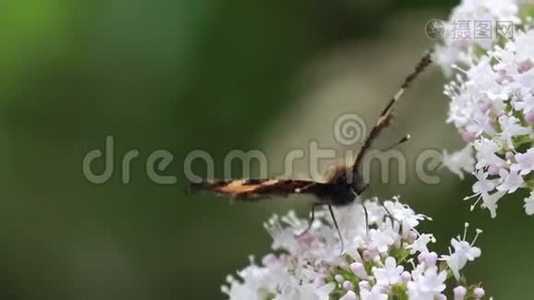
(341, 188)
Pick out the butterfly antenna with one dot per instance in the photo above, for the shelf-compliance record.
(401, 141)
(387, 113)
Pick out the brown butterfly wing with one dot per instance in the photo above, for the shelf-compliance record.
(262, 188)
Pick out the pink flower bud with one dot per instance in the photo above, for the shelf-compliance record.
(364, 285)
(348, 285)
(369, 254)
(459, 292)
(432, 258)
(429, 258)
(406, 276)
(479, 292)
(530, 117)
(493, 170)
(358, 270)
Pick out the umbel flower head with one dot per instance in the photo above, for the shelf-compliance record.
(472, 26)
(492, 106)
(389, 259)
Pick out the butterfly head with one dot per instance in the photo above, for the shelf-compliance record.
(348, 184)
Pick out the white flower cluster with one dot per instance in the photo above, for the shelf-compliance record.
(390, 258)
(492, 105)
(459, 38)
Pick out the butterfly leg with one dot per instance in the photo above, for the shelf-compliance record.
(337, 227)
(393, 220)
(300, 190)
(366, 213)
(312, 218)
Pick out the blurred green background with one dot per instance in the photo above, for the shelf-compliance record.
(212, 75)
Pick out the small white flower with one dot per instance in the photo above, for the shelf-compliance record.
(427, 285)
(463, 252)
(486, 153)
(511, 128)
(525, 162)
(382, 239)
(283, 237)
(420, 244)
(257, 284)
(403, 213)
(483, 185)
(375, 293)
(529, 204)
(490, 202)
(455, 263)
(389, 274)
(511, 181)
(460, 161)
(464, 249)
